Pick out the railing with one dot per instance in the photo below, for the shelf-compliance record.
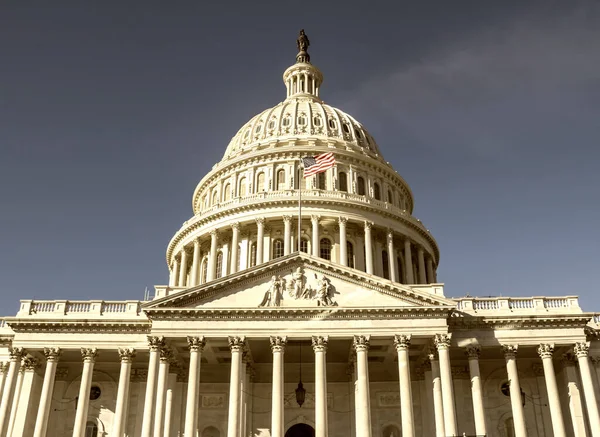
(77, 308)
(596, 318)
(503, 305)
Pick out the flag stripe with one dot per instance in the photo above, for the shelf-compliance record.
(317, 164)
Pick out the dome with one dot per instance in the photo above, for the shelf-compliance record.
(302, 116)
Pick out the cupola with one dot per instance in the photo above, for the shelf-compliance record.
(302, 79)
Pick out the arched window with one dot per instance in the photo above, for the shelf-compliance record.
(321, 181)
(242, 188)
(260, 182)
(91, 429)
(350, 254)
(325, 249)
(227, 193)
(385, 263)
(205, 201)
(277, 248)
(280, 179)
(360, 185)
(376, 191)
(343, 181)
(391, 431)
(332, 124)
(215, 198)
(390, 199)
(304, 245)
(509, 426)
(204, 274)
(210, 431)
(252, 254)
(220, 264)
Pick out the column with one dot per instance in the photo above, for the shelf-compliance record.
(472, 353)
(183, 269)
(287, 234)
(154, 344)
(119, 425)
(410, 279)
(237, 345)
(16, 353)
(574, 395)
(421, 257)
(235, 241)
(195, 273)
(170, 400)
(41, 422)
(278, 348)
(442, 342)
(351, 373)
(166, 356)
(196, 345)
(315, 235)
(581, 350)
(343, 241)
(438, 402)
(174, 273)
(211, 274)
(402, 343)
(545, 352)
(368, 248)
(430, 275)
(27, 363)
(260, 240)
(319, 345)
(3, 372)
(516, 402)
(363, 402)
(89, 358)
(391, 256)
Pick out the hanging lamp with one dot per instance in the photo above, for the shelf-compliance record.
(300, 391)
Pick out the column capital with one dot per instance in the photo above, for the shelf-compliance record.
(214, 233)
(155, 343)
(16, 353)
(260, 221)
(235, 226)
(126, 354)
(402, 342)
(407, 242)
(166, 354)
(196, 344)
(581, 349)
(420, 250)
(342, 220)
(368, 225)
(52, 353)
(287, 219)
(473, 351)
(89, 354)
(315, 218)
(361, 342)
(278, 343)
(236, 344)
(319, 343)
(510, 351)
(29, 363)
(545, 350)
(442, 341)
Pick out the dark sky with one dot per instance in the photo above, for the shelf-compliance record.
(112, 111)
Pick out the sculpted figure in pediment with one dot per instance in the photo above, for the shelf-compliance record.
(273, 295)
(297, 283)
(324, 292)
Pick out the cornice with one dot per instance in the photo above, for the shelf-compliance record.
(23, 325)
(460, 321)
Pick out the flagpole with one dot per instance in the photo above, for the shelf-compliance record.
(299, 203)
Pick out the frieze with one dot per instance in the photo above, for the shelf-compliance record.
(388, 399)
(215, 400)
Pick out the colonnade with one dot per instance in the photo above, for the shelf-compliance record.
(405, 261)
(157, 412)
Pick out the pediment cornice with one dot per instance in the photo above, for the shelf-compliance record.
(460, 321)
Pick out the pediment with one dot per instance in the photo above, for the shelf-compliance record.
(300, 281)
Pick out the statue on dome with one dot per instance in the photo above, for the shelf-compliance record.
(273, 295)
(302, 42)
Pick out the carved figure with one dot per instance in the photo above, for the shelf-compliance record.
(273, 296)
(323, 293)
(298, 282)
(302, 42)
(308, 292)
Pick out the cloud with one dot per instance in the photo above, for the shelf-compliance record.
(495, 91)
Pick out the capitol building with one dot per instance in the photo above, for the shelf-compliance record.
(301, 307)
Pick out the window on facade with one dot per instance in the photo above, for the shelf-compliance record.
(304, 245)
(227, 193)
(281, 179)
(91, 429)
(400, 269)
(277, 249)
(390, 198)
(215, 197)
(220, 264)
(321, 181)
(252, 254)
(350, 254)
(376, 191)
(385, 262)
(325, 249)
(360, 185)
(205, 201)
(204, 270)
(301, 85)
(343, 181)
(260, 182)
(242, 188)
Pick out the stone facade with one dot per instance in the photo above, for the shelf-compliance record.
(278, 321)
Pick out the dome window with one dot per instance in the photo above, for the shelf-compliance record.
(317, 121)
(272, 124)
(332, 124)
(385, 264)
(343, 181)
(277, 248)
(258, 128)
(302, 120)
(357, 133)
(346, 128)
(304, 245)
(360, 185)
(247, 134)
(220, 265)
(325, 249)
(350, 254)
(286, 121)
(376, 191)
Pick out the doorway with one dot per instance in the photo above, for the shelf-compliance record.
(300, 430)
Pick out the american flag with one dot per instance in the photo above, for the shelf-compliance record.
(317, 164)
